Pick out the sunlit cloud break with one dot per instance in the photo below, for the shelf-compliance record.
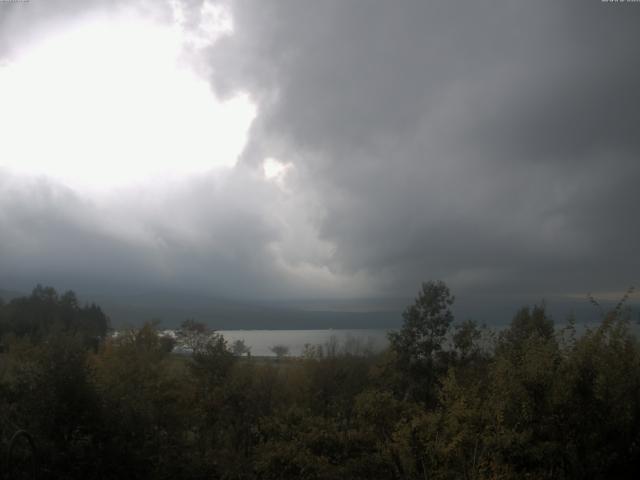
(95, 109)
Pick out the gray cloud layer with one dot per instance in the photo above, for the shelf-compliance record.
(490, 143)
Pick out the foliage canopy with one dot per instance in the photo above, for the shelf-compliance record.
(445, 401)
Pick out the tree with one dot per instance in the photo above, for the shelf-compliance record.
(280, 350)
(193, 335)
(147, 403)
(418, 345)
(45, 312)
(192, 326)
(212, 360)
(240, 348)
(466, 339)
(426, 323)
(528, 323)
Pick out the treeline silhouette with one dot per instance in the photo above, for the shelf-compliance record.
(446, 400)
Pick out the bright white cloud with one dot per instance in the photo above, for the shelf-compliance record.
(213, 22)
(108, 103)
(275, 170)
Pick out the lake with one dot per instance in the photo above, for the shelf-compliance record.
(260, 341)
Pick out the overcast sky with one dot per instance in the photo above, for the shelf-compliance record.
(320, 149)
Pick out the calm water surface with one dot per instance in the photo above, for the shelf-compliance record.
(260, 341)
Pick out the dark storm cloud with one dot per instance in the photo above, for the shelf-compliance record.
(490, 143)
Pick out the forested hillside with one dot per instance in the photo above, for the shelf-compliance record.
(447, 400)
